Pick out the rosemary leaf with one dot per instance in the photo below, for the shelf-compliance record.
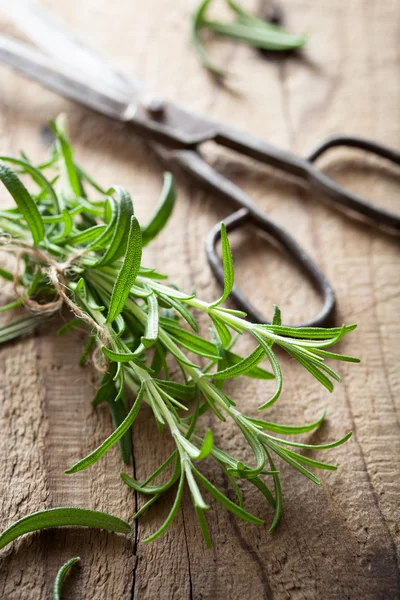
(24, 201)
(61, 575)
(128, 272)
(62, 517)
(163, 211)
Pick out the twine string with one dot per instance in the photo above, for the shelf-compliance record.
(55, 271)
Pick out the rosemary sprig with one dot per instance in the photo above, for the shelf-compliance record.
(245, 28)
(87, 254)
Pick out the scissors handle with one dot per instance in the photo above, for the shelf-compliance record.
(304, 168)
(282, 159)
(193, 164)
(248, 213)
(348, 141)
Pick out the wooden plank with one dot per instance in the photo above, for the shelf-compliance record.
(336, 541)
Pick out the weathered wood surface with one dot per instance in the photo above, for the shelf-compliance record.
(334, 542)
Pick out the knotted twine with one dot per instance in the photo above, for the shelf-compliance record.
(56, 272)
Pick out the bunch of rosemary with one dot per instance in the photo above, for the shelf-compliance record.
(88, 254)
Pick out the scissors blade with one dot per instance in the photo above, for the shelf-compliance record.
(110, 91)
(64, 80)
(49, 34)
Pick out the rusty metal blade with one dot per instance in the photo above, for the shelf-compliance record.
(51, 35)
(64, 80)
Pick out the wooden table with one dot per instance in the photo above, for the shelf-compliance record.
(336, 541)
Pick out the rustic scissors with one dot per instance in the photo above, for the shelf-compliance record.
(78, 72)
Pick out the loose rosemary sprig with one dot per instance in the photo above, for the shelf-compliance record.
(245, 28)
(87, 253)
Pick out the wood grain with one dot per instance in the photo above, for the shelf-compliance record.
(337, 541)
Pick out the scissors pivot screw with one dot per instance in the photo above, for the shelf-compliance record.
(154, 106)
